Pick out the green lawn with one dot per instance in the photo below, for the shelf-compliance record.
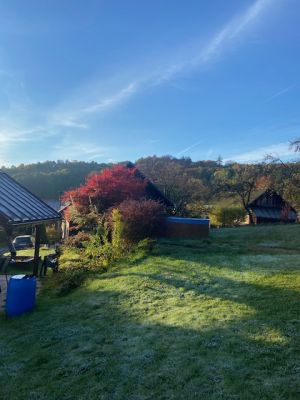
(218, 319)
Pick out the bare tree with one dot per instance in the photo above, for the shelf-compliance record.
(173, 180)
(295, 145)
(239, 179)
(287, 179)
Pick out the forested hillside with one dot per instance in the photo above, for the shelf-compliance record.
(50, 179)
(192, 185)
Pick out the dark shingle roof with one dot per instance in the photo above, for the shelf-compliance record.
(19, 206)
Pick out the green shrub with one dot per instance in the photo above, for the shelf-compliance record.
(69, 279)
(119, 243)
(78, 241)
(98, 251)
(73, 270)
(107, 245)
(84, 219)
(227, 216)
(85, 253)
(197, 210)
(71, 273)
(141, 250)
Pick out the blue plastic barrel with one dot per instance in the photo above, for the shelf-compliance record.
(20, 297)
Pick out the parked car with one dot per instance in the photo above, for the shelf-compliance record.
(23, 242)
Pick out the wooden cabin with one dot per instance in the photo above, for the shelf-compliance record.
(270, 207)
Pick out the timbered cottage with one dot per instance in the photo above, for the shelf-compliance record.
(270, 207)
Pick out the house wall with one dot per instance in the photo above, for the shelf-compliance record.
(261, 220)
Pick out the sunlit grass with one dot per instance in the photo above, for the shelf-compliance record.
(30, 252)
(215, 320)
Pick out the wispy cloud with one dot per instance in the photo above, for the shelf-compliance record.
(198, 56)
(281, 92)
(12, 139)
(68, 123)
(11, 136)
(153, 141)
(217, 44)
(16, 135)
(280, 150)
(20, 120)
(113, 100)
(186, 149)
(101, 96)
(70, 148)
(68, 115)
(234, 29)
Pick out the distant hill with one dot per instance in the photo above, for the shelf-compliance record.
(50, 179)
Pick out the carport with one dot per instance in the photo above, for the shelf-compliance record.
(20, 207)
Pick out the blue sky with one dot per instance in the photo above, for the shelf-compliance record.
(113, 80)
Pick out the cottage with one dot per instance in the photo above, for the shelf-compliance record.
(270, 207)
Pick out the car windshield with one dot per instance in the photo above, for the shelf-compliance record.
(23, 240)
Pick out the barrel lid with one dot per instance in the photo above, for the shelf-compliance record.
(18, 276)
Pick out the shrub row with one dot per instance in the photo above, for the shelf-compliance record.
(227, 216)
(124, 232)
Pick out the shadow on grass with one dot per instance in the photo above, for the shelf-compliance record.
(105, 344)
(189, 250)
(99, 348)
(254, 356)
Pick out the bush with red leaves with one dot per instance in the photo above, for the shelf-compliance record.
(108, 188)
(141, 219)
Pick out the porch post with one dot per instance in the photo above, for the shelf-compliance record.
(8, 235)
(37, 250)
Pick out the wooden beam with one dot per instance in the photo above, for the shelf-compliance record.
(37, 250)
(8, 235)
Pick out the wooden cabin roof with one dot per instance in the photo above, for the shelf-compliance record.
(270, 199)
(151, 189)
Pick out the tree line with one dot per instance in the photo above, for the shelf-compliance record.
(50, 179)
(193, 186)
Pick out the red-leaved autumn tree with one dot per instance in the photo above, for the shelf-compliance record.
(108, 188)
